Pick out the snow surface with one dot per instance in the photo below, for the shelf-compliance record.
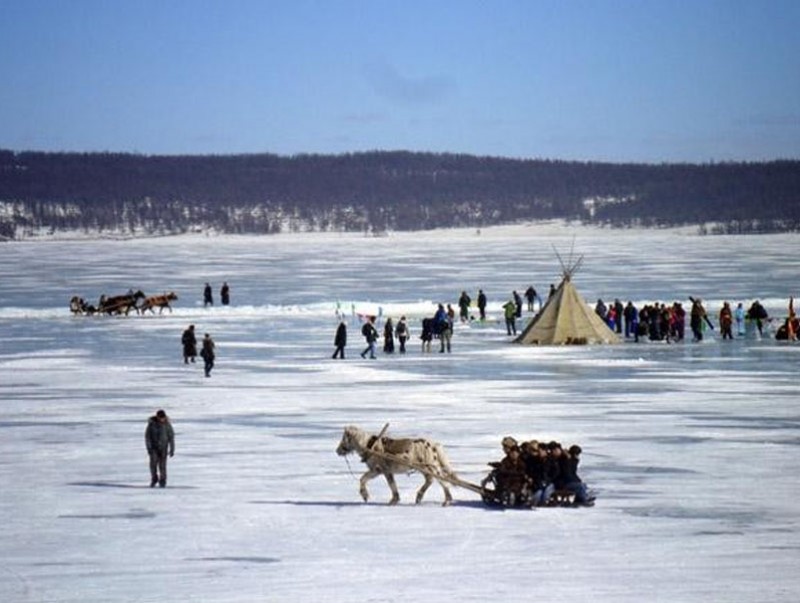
(692, 448)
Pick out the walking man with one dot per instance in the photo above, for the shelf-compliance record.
(159, 438)
(207, 354)
(370, 333)
(340, 340)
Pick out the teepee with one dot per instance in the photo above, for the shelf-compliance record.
(566, 318)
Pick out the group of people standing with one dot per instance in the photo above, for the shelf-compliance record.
(662, 322)
(439, 326)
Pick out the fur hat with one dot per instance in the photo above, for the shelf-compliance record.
(508, 442)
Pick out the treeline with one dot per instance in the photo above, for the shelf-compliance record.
(379, 191)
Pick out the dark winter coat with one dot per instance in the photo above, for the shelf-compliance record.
(340, 339)
(159, 437)
(208, 349)
(189, 342)
(568, 474)
(427, 329)
(369, 332)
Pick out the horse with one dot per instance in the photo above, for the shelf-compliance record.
(158, 301)
(387, 456)
(120, 303)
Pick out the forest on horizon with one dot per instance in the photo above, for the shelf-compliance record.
(374, 192)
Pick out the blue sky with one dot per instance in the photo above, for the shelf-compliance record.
(636, 80)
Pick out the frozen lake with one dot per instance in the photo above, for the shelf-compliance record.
(692, 448)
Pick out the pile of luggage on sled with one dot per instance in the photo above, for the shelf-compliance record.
(536, 474)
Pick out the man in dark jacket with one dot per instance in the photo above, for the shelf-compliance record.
(340, 340)
(208, 354)
(370, 333)
(568, 478)
(482, 304)
(159, 438)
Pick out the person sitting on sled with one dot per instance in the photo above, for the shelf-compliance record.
(511, 484)
(568, 477)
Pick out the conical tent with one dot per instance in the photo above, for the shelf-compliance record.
(567, 319)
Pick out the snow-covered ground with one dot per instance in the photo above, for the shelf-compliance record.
(692, 448)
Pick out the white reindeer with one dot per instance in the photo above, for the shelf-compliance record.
(387, 456)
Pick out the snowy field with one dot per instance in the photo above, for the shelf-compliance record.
(692, 448)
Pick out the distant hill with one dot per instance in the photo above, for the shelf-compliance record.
(374, 192)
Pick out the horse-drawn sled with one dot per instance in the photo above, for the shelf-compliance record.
(508, 484)
(123, 304)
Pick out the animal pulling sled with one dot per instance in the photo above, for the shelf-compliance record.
(388, 456)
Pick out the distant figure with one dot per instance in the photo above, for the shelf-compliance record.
(159, 438)
(601, 310)
(340, 340)
(510, 312)
(552, 291)
(208, 354)
(401, 330)
(427, 334)
(611, 317)
(517, 303)
(726, 321)
(370, 333)
(439, 321)
(532, 296)
(446, 334)
(482, 304)
(758, 313)
(225, 294)
(619, 310)
(189, 342)
(463, 306)
(631, 315)
(739, 314)
(696, 317)
(208, 298)
(388, 337)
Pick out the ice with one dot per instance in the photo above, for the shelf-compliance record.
(692, 448)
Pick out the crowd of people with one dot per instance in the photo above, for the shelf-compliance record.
(439, 326)
(533, 474)
(663, 322)
(654, 322)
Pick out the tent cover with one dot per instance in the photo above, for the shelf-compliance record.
(566, 319)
